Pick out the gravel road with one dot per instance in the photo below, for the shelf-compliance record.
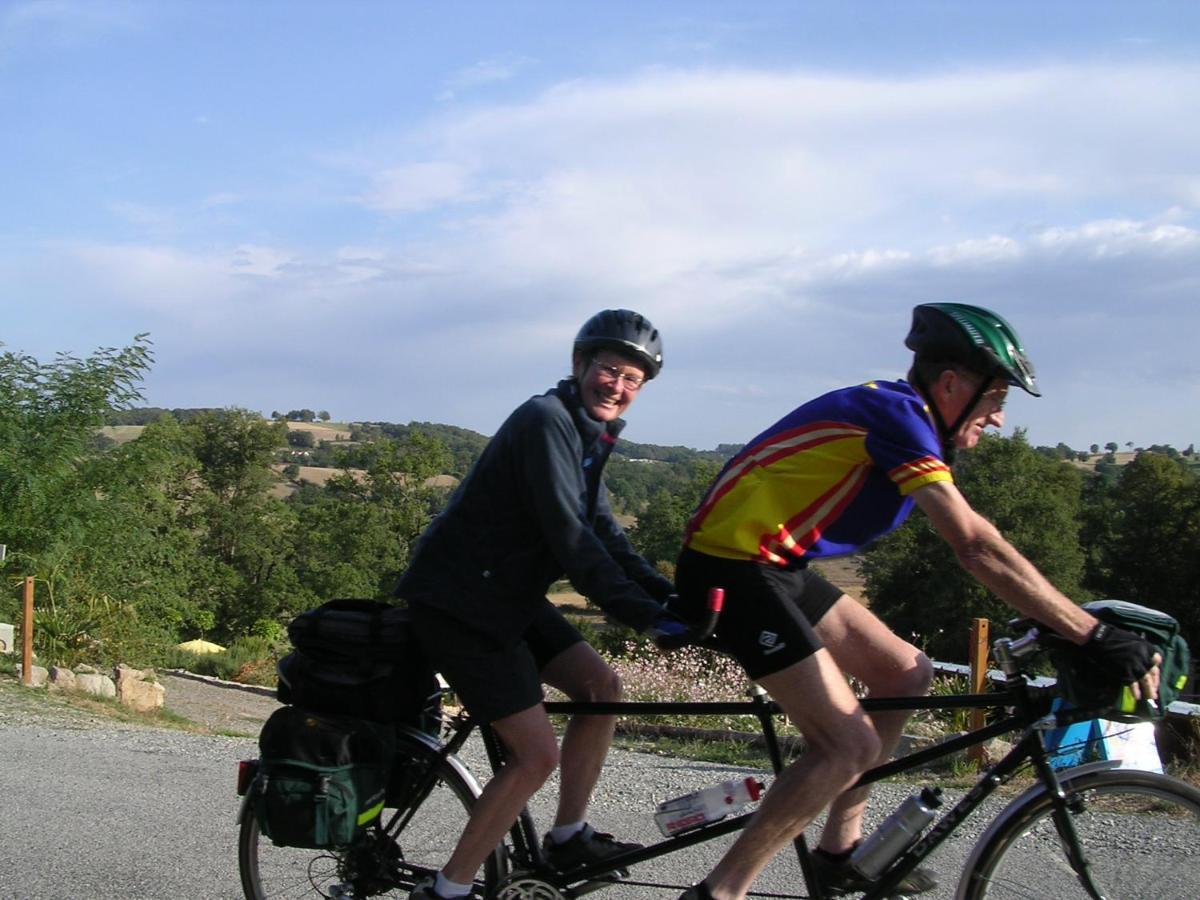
(96, 808)
(92, 807)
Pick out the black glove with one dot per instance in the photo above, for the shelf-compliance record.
(668, 633)
(1122, 656)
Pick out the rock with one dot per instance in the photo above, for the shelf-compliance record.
(995, 750)
(135, 692)
(39, 676)
(96, 684)
(85, 669)
(143, 696)
(62, 678)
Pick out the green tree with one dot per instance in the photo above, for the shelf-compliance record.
(658, 534)
(243, 576)
(913, 579)
(95, 525)
(132, 551)
(1146, 533)
(354, 538)
(302, 439)
(49, 414)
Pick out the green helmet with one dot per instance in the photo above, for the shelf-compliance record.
(974, 337)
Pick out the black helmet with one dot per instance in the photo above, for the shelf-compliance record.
(977, 338)
(625, 332)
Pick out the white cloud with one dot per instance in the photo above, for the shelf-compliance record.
(777, 226)
(266, 262)
(483, 72)
(419, 186)
(670, 176)
(66, 23)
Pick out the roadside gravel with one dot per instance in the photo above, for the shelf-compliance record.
(97, 807)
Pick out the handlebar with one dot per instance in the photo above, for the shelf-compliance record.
(1009, 651)
(700, 632)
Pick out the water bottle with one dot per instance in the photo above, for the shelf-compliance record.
(709, 805)
(897, 833)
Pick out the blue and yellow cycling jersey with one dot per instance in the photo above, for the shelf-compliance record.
(831, 476)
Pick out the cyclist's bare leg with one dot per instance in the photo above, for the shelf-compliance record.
(889, 666)
(842, 743)
(531, 753)
(581, 674)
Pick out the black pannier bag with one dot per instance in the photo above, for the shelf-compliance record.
(321, 779)
(359, 658)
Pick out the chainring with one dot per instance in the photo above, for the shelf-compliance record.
(523, 886)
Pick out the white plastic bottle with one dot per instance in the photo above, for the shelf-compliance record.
(897, 832)
(701, 807)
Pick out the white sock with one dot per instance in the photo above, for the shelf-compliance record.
(560, 834)
(450, 889)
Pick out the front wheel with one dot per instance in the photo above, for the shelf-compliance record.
(430, 797)
(1139, 833)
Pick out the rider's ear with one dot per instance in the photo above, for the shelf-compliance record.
(579, 364)
(946, 381)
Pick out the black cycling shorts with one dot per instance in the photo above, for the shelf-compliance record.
(493, 676)
(769, 613)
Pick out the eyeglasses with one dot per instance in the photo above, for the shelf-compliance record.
(997, 397)
(613, 374)
(994, 398)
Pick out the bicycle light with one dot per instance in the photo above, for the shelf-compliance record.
(247, 769)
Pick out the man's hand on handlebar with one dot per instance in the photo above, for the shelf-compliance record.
(1131, 659)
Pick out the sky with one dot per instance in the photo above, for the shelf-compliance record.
(403, 211)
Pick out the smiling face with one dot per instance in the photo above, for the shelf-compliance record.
(608, 383)
(955, 389)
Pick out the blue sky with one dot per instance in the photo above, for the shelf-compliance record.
(403, 211)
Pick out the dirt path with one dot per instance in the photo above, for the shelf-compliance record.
(217, 705)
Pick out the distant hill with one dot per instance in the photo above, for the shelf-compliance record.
(323, 445)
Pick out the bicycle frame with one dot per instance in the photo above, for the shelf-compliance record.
(1029, 712)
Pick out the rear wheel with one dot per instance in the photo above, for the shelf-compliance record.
(429, 800)
(1139, 832)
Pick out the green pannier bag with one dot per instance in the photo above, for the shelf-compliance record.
(321, 778)
(1085, 685)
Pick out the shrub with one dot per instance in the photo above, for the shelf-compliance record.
(250, 660)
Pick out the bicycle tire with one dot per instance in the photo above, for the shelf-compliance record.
(1140, 833)
(383, 862)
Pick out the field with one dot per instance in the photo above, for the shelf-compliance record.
(122, 434)
(321, 432)
(1090, 465)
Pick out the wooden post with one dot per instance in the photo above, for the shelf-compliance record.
(27, 635)
(979, 661)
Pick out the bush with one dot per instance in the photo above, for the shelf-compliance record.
(98, 631)
(609, 639)
(249, 660)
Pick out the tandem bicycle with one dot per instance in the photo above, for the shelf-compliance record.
(1095, 831)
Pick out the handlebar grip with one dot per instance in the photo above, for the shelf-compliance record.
(716, 599)
(716, 602)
